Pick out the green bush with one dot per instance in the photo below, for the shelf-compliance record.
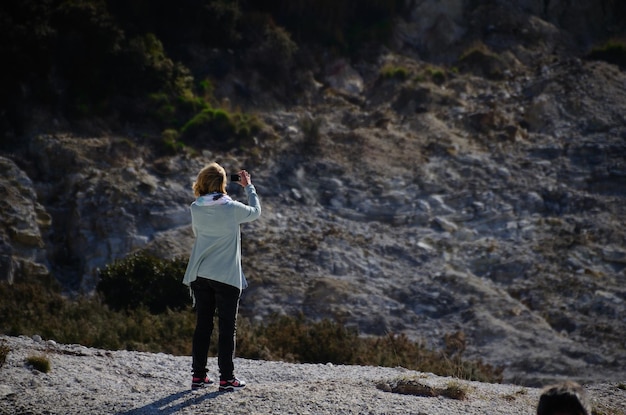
(220, 128)
(170, 141)
(150, 69)
(438, 76)
(207, 126)
(172, 111)
(394, 72)
(199, 124)
(144, 280)
(274, 56)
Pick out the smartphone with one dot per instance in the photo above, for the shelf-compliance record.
(235, 178)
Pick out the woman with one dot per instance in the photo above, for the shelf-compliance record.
(214, 269)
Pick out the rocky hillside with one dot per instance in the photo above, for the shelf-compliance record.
(470, 178)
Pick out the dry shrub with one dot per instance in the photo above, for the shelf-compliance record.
(297, 340)
(25, 310)
(40, 363)
(454, 390)
(4, 352)
(311, 129)
(412, 386)
(481, 61)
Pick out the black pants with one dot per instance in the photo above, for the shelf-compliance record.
(210, 295)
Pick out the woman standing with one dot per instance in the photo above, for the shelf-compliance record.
(214, 270)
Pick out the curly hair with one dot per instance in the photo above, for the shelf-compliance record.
(211, 179)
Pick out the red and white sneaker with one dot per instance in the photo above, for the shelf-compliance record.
(232, 385)
(197, 383)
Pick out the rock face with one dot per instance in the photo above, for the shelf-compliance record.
(487, 200)
(106, 202)
(24, 223)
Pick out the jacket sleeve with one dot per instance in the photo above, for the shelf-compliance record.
(250, 212)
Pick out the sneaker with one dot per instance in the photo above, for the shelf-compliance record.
(232, 385)
(197, 383)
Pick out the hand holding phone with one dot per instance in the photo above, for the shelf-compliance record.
(242, 178)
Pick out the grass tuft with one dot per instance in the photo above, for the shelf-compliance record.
(40, 363)
(4, 352)
(455, 390)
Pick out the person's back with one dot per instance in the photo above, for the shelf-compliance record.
(567, 398)
(214, 272)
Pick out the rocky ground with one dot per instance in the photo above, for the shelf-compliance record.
(484, 196)
(86, 381)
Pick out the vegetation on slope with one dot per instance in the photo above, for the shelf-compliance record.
(148, 63)
(149, 319)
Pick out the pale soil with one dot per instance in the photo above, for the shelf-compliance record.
(91, 381)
